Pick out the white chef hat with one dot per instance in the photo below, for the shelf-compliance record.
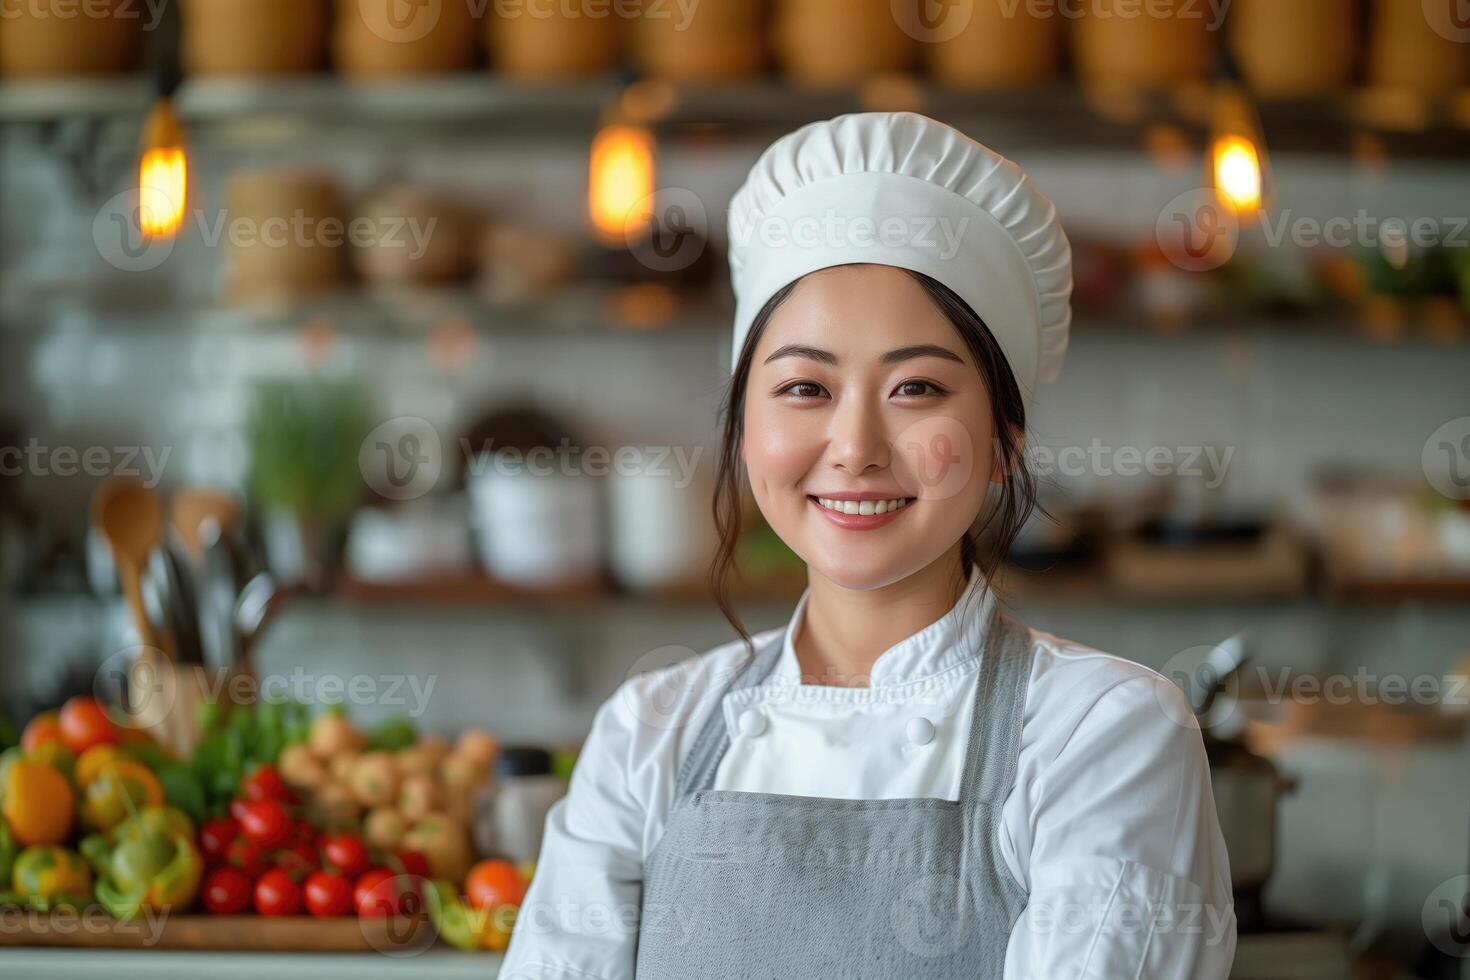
(901, 189)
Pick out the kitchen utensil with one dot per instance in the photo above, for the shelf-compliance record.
(661, 532)
(217, 595)
(131, 520)
(1247, 787)
(257, 605)
(189, 508)
(536, 529)
(178, 585)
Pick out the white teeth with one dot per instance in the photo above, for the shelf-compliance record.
(864, 507)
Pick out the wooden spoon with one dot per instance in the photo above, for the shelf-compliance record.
(131, 520)
(191, 506)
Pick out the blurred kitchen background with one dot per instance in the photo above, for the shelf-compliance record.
(1261, 434)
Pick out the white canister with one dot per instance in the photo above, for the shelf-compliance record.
(662, 531)
(538, 523)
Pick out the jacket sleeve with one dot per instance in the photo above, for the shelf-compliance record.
(1127, 870)
(579, 920)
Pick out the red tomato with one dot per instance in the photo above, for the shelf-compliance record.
(216, 837)
(376, 894)
(265, 822)
(42, 729)
(491, 884)
(347, 853)
(276, 894)
(297, 858)
(227, 891)
(414, 863)
(84, 723)
(328, 894)
(303, 832)
(248, 856)
(264, 783)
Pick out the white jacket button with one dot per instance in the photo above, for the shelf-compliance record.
(921, 731)
(752, 723)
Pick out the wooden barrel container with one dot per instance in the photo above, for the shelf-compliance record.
(370, 38)
(1129, 43)
(549, 40)
(1295, 50)
(721, 41)
(833, 43)
(1000, 45)
(100, 37)
(286, 234)
(253, 37)
(1420, 46)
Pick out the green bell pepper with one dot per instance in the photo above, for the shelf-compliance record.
(148, 862)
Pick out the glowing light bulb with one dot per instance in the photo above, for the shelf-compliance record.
(163, 174)
(1238, 178)
(620, 192)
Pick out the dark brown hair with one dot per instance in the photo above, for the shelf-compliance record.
(995, 529)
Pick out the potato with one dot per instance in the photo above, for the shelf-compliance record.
(300, 769)
(332, 734)
(375, 779)
(462, 774)
(478, 745)
(418, 796)
(334, 805)
(434, 745)
(385, 828)
(415, 761)
(340, 767)
(443, 842)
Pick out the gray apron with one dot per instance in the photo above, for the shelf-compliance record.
(765, 885)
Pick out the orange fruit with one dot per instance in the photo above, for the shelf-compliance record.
(39, 804)
(491, 884)
(45, 727)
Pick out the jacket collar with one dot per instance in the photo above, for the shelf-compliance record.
(955, 637)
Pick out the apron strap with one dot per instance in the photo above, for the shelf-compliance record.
(1000, 710)
(703, 762)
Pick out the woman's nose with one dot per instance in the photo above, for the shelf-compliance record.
(857, 440)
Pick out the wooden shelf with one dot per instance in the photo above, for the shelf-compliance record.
(479, 103)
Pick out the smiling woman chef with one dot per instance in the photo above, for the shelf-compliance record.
(904, 781)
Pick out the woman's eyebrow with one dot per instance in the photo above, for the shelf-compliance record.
(892, 357)
(802, 350)
(921, 350)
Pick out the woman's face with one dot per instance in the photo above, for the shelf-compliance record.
(862, 395)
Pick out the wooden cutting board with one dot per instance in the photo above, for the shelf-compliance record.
(95, 930)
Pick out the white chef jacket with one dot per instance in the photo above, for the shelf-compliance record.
(1110, 826)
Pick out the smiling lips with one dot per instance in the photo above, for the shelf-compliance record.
(860, 512)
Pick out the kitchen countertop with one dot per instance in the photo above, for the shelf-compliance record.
(1318, 956)
(68, 964)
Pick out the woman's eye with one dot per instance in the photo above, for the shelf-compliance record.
(917, 389)
(803, 389)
